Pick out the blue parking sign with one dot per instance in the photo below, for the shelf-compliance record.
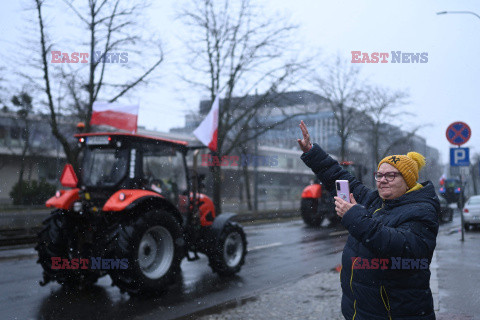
(459, 157)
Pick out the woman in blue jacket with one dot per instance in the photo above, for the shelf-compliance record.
(392, 234)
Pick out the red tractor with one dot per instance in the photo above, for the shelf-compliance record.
(134, 213)
(317, 203)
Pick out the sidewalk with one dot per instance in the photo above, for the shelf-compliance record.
(315, 297)
(458, 274)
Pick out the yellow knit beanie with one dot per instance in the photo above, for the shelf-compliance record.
(408, 165)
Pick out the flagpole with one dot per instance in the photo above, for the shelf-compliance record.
(213, 153)
(207, 133)
(136, 122)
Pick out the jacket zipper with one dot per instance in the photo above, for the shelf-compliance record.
(387, 303)
(383, 204)
(351, 288)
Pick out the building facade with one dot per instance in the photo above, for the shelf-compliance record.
(29, 144)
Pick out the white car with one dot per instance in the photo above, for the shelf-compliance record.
(471, 212)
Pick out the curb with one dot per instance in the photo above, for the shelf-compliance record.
(227, 305)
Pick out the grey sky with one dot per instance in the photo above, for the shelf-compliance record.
(443, 90)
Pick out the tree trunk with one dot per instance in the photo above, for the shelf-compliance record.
(247, 185)
(343, 148)
(474, 176)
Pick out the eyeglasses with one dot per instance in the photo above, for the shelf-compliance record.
(389, 176)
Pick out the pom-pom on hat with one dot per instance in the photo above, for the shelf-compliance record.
(409, 165)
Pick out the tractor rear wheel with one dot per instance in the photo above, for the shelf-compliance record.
(53, 242)
(228, 256)
(153, 245)
(310, 212)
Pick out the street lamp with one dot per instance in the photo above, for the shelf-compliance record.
(461, 196)
(465, 12)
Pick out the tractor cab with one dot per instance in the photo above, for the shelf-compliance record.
(109, 162)
(452, 190)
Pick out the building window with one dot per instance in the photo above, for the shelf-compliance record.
(289, 163)
(15, 136)
(49, 169)
(3, 136)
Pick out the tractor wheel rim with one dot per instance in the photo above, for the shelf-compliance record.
(233, 249)
(155, 252)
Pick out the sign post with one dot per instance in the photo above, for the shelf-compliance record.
(459, 133)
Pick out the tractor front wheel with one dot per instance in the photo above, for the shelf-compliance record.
(53, 242)
(228, 256)
(311, 214)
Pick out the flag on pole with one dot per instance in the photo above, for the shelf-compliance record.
(442, 179)
(117, 115)
(207, 131)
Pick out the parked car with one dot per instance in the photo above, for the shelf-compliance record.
(446, 211)
(471, 212)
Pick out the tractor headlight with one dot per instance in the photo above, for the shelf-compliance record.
(121, 196)
(77, 206)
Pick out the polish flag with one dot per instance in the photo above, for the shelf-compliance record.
(120, 116)
(442, 179)
(207, 131)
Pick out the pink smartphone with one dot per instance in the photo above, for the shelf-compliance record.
(343, 189)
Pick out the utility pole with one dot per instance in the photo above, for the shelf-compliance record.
(255, 163)
(255, 171)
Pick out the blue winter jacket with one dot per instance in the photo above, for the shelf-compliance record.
(402, 232)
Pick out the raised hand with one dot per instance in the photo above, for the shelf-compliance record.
(304, 143)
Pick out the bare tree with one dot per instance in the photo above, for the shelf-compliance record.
(24, 129)
(3, 108)
(111, 32)
(342, 86)
(383, 107)
(23, 103)
(2, 89)
(382, 110)
(238, 51)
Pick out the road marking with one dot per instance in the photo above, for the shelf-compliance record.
(337, 233)
(275, 244)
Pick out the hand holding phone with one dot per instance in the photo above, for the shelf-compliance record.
(343, 189)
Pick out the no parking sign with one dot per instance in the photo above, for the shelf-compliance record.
(458, 133)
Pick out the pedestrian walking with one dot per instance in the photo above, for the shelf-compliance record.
(392, 235)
